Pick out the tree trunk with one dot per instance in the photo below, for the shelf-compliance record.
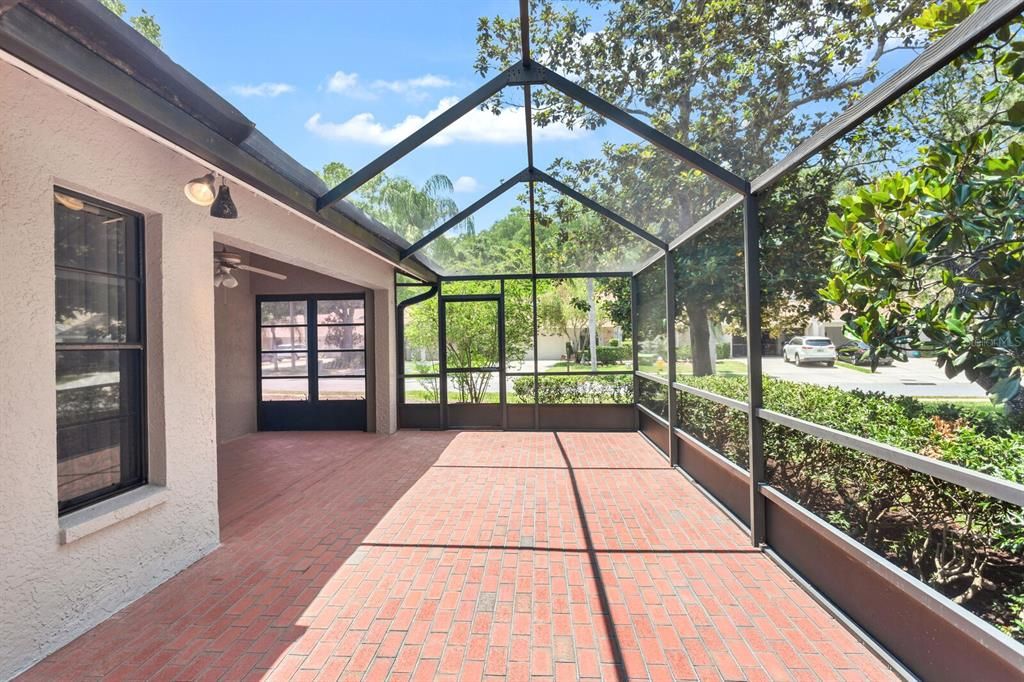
(592, 319)
(700, 337)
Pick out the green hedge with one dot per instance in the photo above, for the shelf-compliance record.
(966, 545)
(586, 389)
(609, 355)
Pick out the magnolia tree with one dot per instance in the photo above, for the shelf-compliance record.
(932, 258)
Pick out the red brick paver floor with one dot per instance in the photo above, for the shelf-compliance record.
(467, 556)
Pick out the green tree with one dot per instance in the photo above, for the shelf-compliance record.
(397, 202)
(738, 81)
(144, 22)
(933, 258)
(563, 309)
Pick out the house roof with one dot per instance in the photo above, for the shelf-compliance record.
(88, 48)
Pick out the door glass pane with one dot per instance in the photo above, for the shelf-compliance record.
(92, 309)
(345, 311)
(283, 364)
(283, 338)
(346, 337)
(342, 363)
(474, 387)
(420, 338)
(471, 330)
(343, 388)
(283, 312)
(422, 390)
(285, 389)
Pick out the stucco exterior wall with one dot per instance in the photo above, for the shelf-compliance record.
(51, 591)
(235, 344)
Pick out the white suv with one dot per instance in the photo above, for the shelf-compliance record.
(801, 349)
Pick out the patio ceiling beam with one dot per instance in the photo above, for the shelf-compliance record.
(521, 176)
(429, 130)
(631, 123)
(597, 208)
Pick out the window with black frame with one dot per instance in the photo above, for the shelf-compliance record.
(100, 346)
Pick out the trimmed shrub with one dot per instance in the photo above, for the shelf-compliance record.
(586, 389)
(608, 355)
(968, 546)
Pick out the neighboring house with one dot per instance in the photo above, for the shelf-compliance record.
(552, 346)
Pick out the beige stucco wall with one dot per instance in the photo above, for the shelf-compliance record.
(52, 592)
(235, 350)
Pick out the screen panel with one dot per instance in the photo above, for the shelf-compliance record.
(573, 238)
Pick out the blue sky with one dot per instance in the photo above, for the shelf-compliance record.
(342, 81)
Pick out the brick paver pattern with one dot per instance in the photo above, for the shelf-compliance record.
(430, 556)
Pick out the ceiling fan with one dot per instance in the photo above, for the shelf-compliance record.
(225, 261)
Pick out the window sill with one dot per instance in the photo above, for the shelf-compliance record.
(85, 522)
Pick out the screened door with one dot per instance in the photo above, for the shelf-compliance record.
(312, 362)
(472, 358)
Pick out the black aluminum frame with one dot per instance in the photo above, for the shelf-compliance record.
(312, 350)
(442, 317)
(142, 416)
(442, 421)
(760, 507)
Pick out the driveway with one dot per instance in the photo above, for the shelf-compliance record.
(918, 377)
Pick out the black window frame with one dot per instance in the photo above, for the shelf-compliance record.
(140, 418)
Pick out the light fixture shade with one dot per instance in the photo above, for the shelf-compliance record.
(201, 190)
(222, 206)
(218, 279)
(229, 281)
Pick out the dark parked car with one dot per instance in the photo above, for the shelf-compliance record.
(857, 353)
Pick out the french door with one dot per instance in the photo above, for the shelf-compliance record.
(311, 364)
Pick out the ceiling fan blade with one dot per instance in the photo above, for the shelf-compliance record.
(261, 271)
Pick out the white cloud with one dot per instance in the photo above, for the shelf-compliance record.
(349, 84)
(343, 83)
(262, 90)
(478, 125)
(465, 183)
(424, 82)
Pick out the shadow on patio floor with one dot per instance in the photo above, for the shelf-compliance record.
(434, 555)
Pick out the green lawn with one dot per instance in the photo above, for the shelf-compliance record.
(981, 405)
(685, 368)
(491, 397)
(584, 368)
(856, 368)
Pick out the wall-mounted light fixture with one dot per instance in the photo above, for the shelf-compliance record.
(223, 206)
(201, 190)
